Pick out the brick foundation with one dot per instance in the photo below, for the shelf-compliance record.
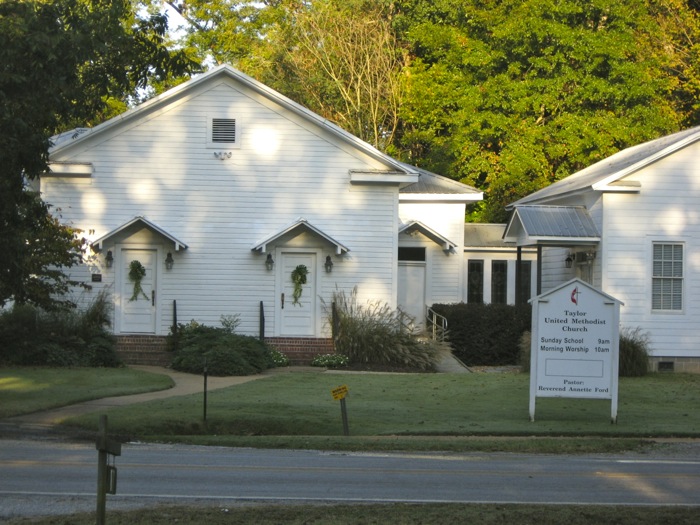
(143, 350)
(301, 350)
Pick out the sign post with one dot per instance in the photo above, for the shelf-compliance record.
(340, 393)
(106, 475)
(574, 350)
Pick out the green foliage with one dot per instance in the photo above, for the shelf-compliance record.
(278, 358)
(35, 337)
(331, 361)
(221, 351)
(512, 96)
(36, 248)
(524, 350)
(485, 334)
(230, 322)
(376, 334)
(634, 352)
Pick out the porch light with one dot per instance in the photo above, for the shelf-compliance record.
(329, 264)
(569, 260)
(169, 261)
(109, 259)
(269, 262)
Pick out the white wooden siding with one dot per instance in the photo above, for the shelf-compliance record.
(666, 210)
(285, 168)
(444, 272)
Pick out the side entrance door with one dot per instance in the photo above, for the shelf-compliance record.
(298, 319)
(137, 309)
(411, 291)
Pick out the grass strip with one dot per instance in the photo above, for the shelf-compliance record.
(483, 514)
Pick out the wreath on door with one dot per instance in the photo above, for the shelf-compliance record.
(136, 273)
(298, 278)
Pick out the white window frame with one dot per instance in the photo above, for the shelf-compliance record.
(659, 273)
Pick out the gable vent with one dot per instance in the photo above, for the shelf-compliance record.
(223, 130)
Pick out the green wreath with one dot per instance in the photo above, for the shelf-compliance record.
(298, 278)
(136, 273)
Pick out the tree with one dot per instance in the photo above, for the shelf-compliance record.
(510, 96)
(338, 58)
(348, 63)
(60, 61)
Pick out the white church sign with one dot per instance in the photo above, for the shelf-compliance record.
(575, 344)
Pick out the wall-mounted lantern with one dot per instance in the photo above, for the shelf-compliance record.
(269, 262)
(329, 264)
(169, 261)
(109, 259)
(569, 261)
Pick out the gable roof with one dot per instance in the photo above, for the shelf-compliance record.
(145, 223)
(552, 225)
(296, 228)
(417, 226)
(606, 175)
(75, 137)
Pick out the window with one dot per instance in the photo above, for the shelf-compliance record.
(475, 281)
(524, 282)
(412, 254)
(667, 277)
(499, 282)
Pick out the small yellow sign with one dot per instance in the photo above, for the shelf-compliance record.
(340, 392)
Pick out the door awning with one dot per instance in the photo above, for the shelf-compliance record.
(417, 226)
(551, 225)
(296, 228)
(140, 220)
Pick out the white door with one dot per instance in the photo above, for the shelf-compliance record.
(297, 319)
(137, 308)
(411, 292)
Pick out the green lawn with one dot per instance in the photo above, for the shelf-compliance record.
(27, 390)
(387, 411)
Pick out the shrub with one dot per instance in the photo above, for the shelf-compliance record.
(330, 361)
(278, 358)
(524, 351)
(634, 352)
(34, 337)
(223, 352)
(485, 334)
(376, 334)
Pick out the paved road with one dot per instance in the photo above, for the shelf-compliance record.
(43, 477)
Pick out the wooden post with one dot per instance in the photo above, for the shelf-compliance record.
(206, 375)
(104, 446)
(344, 412)
(101, 472)
(262, 322)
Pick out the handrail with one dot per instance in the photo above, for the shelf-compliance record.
(437, 325)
